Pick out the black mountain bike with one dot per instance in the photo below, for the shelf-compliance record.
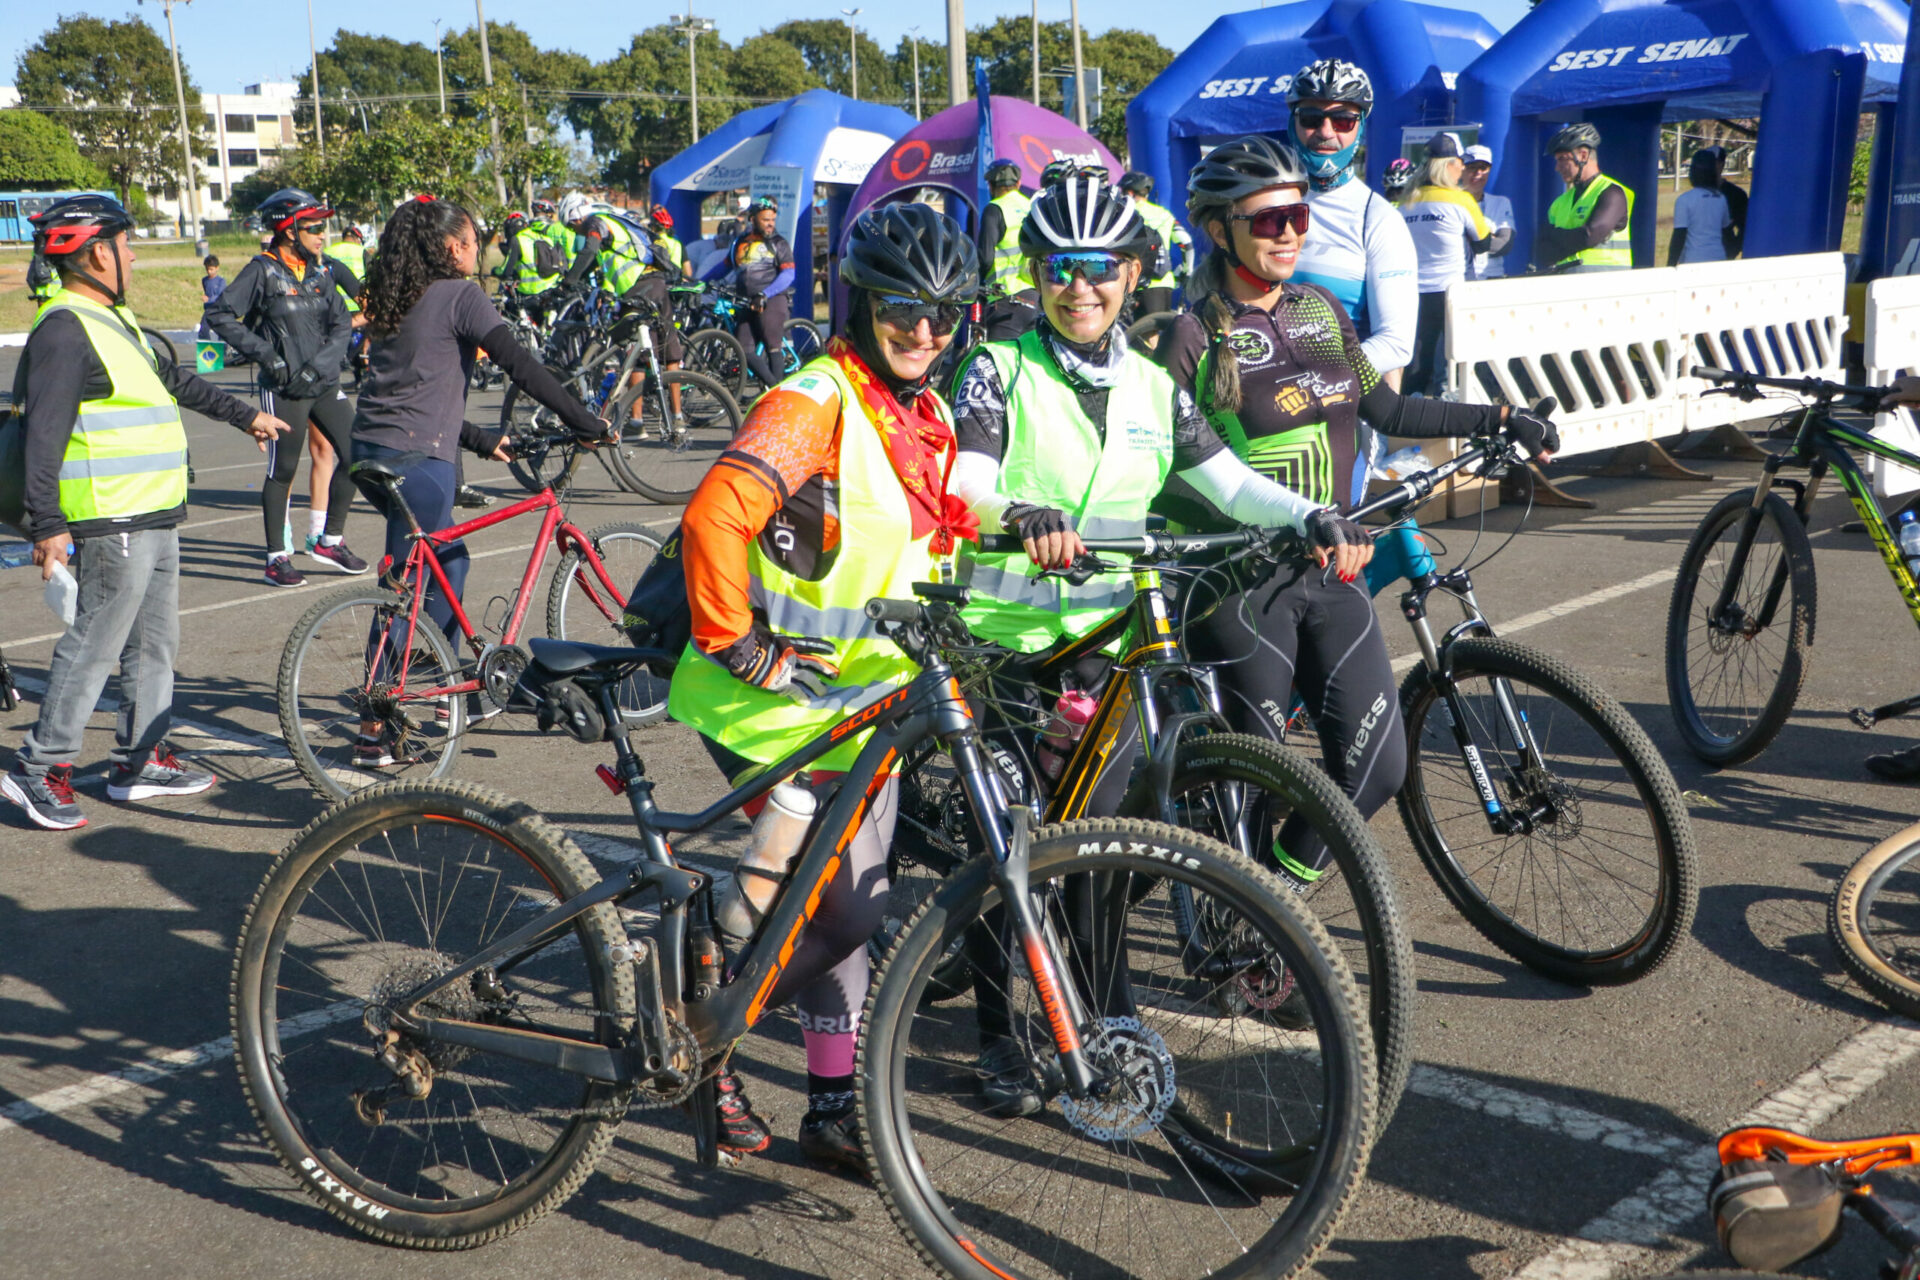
(440, 1018)
(1740, 625)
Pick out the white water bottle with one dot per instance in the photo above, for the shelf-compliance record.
(762, 873)
(1910, 542)
(62, 594)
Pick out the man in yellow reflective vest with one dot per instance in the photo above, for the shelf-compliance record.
(105, 489)
(1588, 225)
(1012, 301)
(1156, 293)
(672, 257)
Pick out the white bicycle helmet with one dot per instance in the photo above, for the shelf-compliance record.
(575, 207)
(1084, 213)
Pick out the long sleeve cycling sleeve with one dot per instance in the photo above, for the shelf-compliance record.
(1393, 292)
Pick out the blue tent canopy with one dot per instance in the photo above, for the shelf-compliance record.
(829, 138)
(1234, 79)
(1804, 67)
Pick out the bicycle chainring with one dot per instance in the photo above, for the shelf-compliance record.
(683, 1052)
(1139, 1070)
(501, 667)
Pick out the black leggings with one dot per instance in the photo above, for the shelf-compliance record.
(1426, 372)
(766, 327)
(1276, 629)
(332, 415)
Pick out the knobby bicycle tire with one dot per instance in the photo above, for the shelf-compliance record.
(307, 659)
(1884, 959)
(306, 1001)
(1752, 719)
(536, 463)
(668, 465)
(1286, 1182)
(719, 355)
(162, 346)
(1472, 876)
(1360, 898)
(643, 695)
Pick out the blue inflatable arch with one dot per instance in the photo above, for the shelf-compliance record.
(1804, 67)
(831, 139)
(1233, 80)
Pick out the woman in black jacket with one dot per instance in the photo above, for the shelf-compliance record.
(283, 313)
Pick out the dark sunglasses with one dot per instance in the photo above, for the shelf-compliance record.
(1267, 223)
(907, 313)
(1311, 118)
(1096, 267)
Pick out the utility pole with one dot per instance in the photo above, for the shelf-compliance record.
(1036, 52)
(695, 28)
(439, 66)
(1079, 76)
(853, 47)
(189, 198)
(913, 33)
(493, 119)
(526, 131)
(313, 64)
(958, 90)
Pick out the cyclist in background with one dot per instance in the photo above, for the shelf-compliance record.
(546, 224)
(1397, 180)
(1588, 223)
(533, 267)
(628, 271)
(1448, 229)
(42, 280)
(833, 492)
(763, 268)
(1156, 295)
(1013, 303)
(673, 258)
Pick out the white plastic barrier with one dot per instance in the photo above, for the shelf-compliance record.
(1893, 349)
(1614, 347)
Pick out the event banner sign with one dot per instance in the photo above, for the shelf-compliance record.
(781, 183)
(1903, 192)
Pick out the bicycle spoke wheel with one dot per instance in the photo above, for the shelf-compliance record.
(535, 434)
(662, 457)
(1875, 919)
(718, 354)
(802, 339)
(439, 1146)
(1588, 874)
(1216, 1145)
(1242, 791)
(354, 665)
(1732, 680)
(929, 841)
(163, 348)
(581, 607)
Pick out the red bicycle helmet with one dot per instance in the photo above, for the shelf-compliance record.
(662, 218)
(66, 227)
(287, 206)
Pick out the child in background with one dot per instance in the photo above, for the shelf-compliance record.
(212, 285)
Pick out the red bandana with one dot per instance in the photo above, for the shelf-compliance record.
(915, 443)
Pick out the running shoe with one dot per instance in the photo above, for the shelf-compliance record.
(338, 556)
(47, 799)
(160, 774)
(281, 573)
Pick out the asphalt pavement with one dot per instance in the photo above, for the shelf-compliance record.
(1549, 1133)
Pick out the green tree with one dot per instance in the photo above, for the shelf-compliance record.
(122, 75)
(633, 133)
(765, 66)
(823, 45)
(38, 155)
(375, 67)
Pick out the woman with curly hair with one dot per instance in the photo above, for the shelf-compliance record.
(426, 319)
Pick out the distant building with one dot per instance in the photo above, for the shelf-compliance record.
(9, 97)
(249, 129)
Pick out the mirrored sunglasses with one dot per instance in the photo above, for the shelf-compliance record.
(1097, 267)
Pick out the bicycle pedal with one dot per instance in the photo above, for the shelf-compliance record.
(1863, 717)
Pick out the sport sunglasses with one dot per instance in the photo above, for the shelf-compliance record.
(1311, 118)
(1096, 266)
(907, 313)
(1267, 223)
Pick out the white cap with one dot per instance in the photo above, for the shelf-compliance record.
(1483, 155)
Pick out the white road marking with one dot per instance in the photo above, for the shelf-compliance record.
(1529, 620)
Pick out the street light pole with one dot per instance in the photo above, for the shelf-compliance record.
(914, 35)
(695, 28)
(957, 90)
(1079, 75)
(493, 120)
(313, 64)
(189, 198)
(853, 47)
(439, 66)
(1036, 52)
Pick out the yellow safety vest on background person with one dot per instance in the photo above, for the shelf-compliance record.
(1160, 222)
(1570, 214)
(531, 281)
(128, 452)
(669, 252)
(561, 237)
(1055, 457)
(1009, 264)
(353, 255)
(878, 556)
(621, 263)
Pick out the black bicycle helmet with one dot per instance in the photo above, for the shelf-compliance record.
(287, 206)
(1057, 172)
(546, 209)
(1003, 172)
(1137, 183)
(514, 223)
(1084, 213)
(1398, 177)
(66, 226)
(1331, 80)
(911, 251)
(1240, 168)
(1573, 137)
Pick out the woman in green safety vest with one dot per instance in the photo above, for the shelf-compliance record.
(833, 492)
(1156, 294)
(1589, 224)
(1012, 302)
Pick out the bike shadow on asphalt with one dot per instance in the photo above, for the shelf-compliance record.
(1779, 935)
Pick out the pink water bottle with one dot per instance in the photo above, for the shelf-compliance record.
(1071, 715)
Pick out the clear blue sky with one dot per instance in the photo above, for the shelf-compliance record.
(227, 43)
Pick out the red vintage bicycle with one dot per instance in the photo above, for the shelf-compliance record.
(371, 690)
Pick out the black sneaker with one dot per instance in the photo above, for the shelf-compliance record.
(48, 800)
(468, 496)
(160, 774)
(832, 1138)
(338, 556)
(741, 1131)
(1896, 766)
(1006, 1079)
(281, 573)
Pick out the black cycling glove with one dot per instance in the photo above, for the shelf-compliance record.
(1327, 529)
(305, 385)
(793, 665)
(276, 374)
(1034, 522)
(1534, 433)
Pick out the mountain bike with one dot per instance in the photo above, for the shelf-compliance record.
(440, 1019)
(1535, 801)
(1188, 769)
(1740, 625)
(1781, 1197)
(1874, 918)
(370, 656)
(713, 309)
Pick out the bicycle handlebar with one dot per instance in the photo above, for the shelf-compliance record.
(1747, 386)
(1148, 546)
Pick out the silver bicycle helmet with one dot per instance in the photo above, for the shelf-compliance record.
(1573, 137)
(1084, 213)
(1240, 168)
(1331, 80)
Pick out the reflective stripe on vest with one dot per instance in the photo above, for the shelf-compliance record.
(878, 556)
(1055, 457)
(1569, 214)
(620, 259)
(127, 454)
(1009, 264)
(1160, 221)
(528, 242)
(354, 255)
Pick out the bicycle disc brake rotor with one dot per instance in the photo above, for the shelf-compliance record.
(1265, 986)
(457, 1002)
(1540, 788)
(1140, 1069)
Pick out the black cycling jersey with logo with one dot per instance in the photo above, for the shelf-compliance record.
(1310, 398)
